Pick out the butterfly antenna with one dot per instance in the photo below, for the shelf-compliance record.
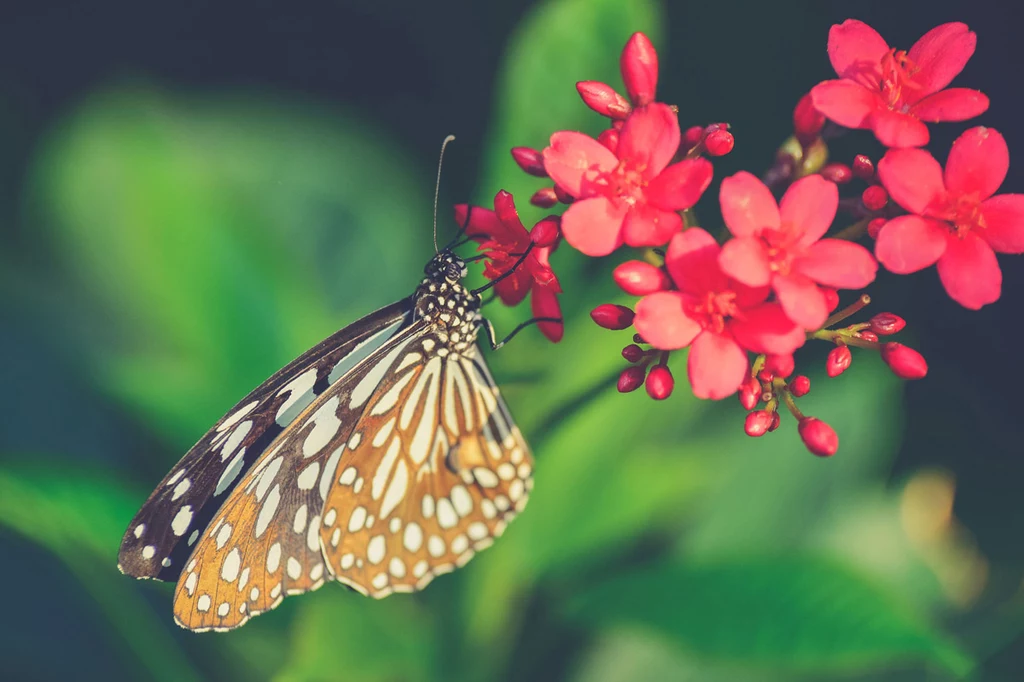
(437, 185)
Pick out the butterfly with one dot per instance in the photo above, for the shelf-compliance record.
(381, 458)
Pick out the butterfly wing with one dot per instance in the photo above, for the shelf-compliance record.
(164, 531)
(264, 542)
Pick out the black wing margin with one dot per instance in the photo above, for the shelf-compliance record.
(159, 539)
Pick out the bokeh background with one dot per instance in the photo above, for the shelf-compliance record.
(193, 193)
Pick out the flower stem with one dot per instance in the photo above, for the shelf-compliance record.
(851, 309)
(853, 232)
(786, 397)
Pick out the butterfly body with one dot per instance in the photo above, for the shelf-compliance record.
(381, 458)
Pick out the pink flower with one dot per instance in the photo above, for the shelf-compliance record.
(781, 245)
(956, 221)
(630, 195)
(501, 233)
(892, 92)
(719, 318)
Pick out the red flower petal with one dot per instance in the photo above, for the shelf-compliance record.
(745, 260)
(572, 156)
(809, 206)
(1004, 223)
(912, 177)
(898, 130)
(747, 205)
(544, 303)
(969, 271)
(767, 329)
(977, 163)
(660, 319)
(649, 226)
(650, 138)
(856, 50)
(801, 299)
(910, 243)
(514, 288)
(838, 263)
(594, 226)
(716, 366)
(845, 102)
(681, 185)
(954, 104)
(505, 208)
(692, 262)
(940, 54)
(639, 65)
(483, 223)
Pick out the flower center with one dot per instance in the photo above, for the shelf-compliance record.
(898, 73)
(714, 310)
(626, 183)
(964, 212)
(779, 247)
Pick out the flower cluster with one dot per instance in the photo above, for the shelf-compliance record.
(743, 303)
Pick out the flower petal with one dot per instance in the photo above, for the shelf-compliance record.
(505, 208)
(839, 264)
(898, 130)
(480, 223)
(969, 271)
(747, 205)
(572, 157)
(767, 329)
(1004, 223)
(954, 104)
(847, 103)
(809, 206)
(514, 288)
(650, 138)
(594, 226)
(544, 303)
(681, 185)
(649, 226)
(801, 299)
(940, 54)
(692, 262)
(910, 243)
(912, 177)
(977, 163)
(661, 320)
(716, 366)
(856, 50)
(745, 259)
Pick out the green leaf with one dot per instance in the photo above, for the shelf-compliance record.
(796, 613)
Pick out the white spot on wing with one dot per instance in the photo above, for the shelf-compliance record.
(300, 395)
(369, 383)
(375, 549)
(230, 473)
(268, 510)
(181, 520)
(325, 427)
(308, 478)
(396, 491)
(235, 439)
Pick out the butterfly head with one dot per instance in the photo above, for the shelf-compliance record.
(446, 267)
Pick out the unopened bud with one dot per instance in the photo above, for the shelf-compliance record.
(819, 437)
(610, 139)
(885, 324)
(863, 168)
(776, 420)
(546, 232)
(800, 386)
(719, 143)
(612, 316)
(780, 365)
(530, 160)
(831, 298)
(638, 278)
(839, 359)
(906, 363)
(750, 393)
(838, 173)
(631, 378)
(633, 353)
(875, 198)
(692, 137)
(807, 121)
(603, 99)
(544, 197)
(659, 382)
(868, 335)
(875, 226)
(563, 196)
(757, 423)
(639, 64)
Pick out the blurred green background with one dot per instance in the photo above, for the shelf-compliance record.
(193, 193)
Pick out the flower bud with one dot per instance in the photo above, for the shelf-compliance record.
(546, 232)
(563, 196)
(719, 143)
(612, 316)
(800, 386)
(610, 139)
(839, 359)
(875, 198)
(776, 420)
(906, 363)
(818, 436)
(868, 335)
(692, 137)
(639, 64)
(875, 226)
(631, 378)
(544, 197)
(765, 375)
(757, 423)
(530, 160)
(780, 365)
(659, 382)
(750, 393)
(838, 173)
(603, 99)
(638, 278)
(863, 168)
(633, 353)
(807, 121)
(831, 298)
(885, 324)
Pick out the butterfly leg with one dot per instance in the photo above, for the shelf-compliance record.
(492, 338)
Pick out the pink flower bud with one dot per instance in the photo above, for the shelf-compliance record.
(639, 64)
(750, 393)
(838, 173)
(612, 316)
(776, 420)
(818, 436)
(660, 382)
(875, 198)
(633, 353)
(800, 386)
(780, 365)
(807, 121)
(692, 137)
(863, 168)
(906, 363)
(831, 298)
(885, 324)
(610, 139)
(631, 378)
(530, 160)
(603, 99)
(875, 226)
(757, 423)
(546, 231)
(765, 375)
(638, 278)
(839, 359)
(719, 143)
(868, 335)
(563, 196)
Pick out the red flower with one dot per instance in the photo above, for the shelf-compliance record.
(502, 235)
(891, 91)
(957, 222)
(631, 195)
(720, 319)
(781, 245)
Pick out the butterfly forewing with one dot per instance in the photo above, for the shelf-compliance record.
(165, 530)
